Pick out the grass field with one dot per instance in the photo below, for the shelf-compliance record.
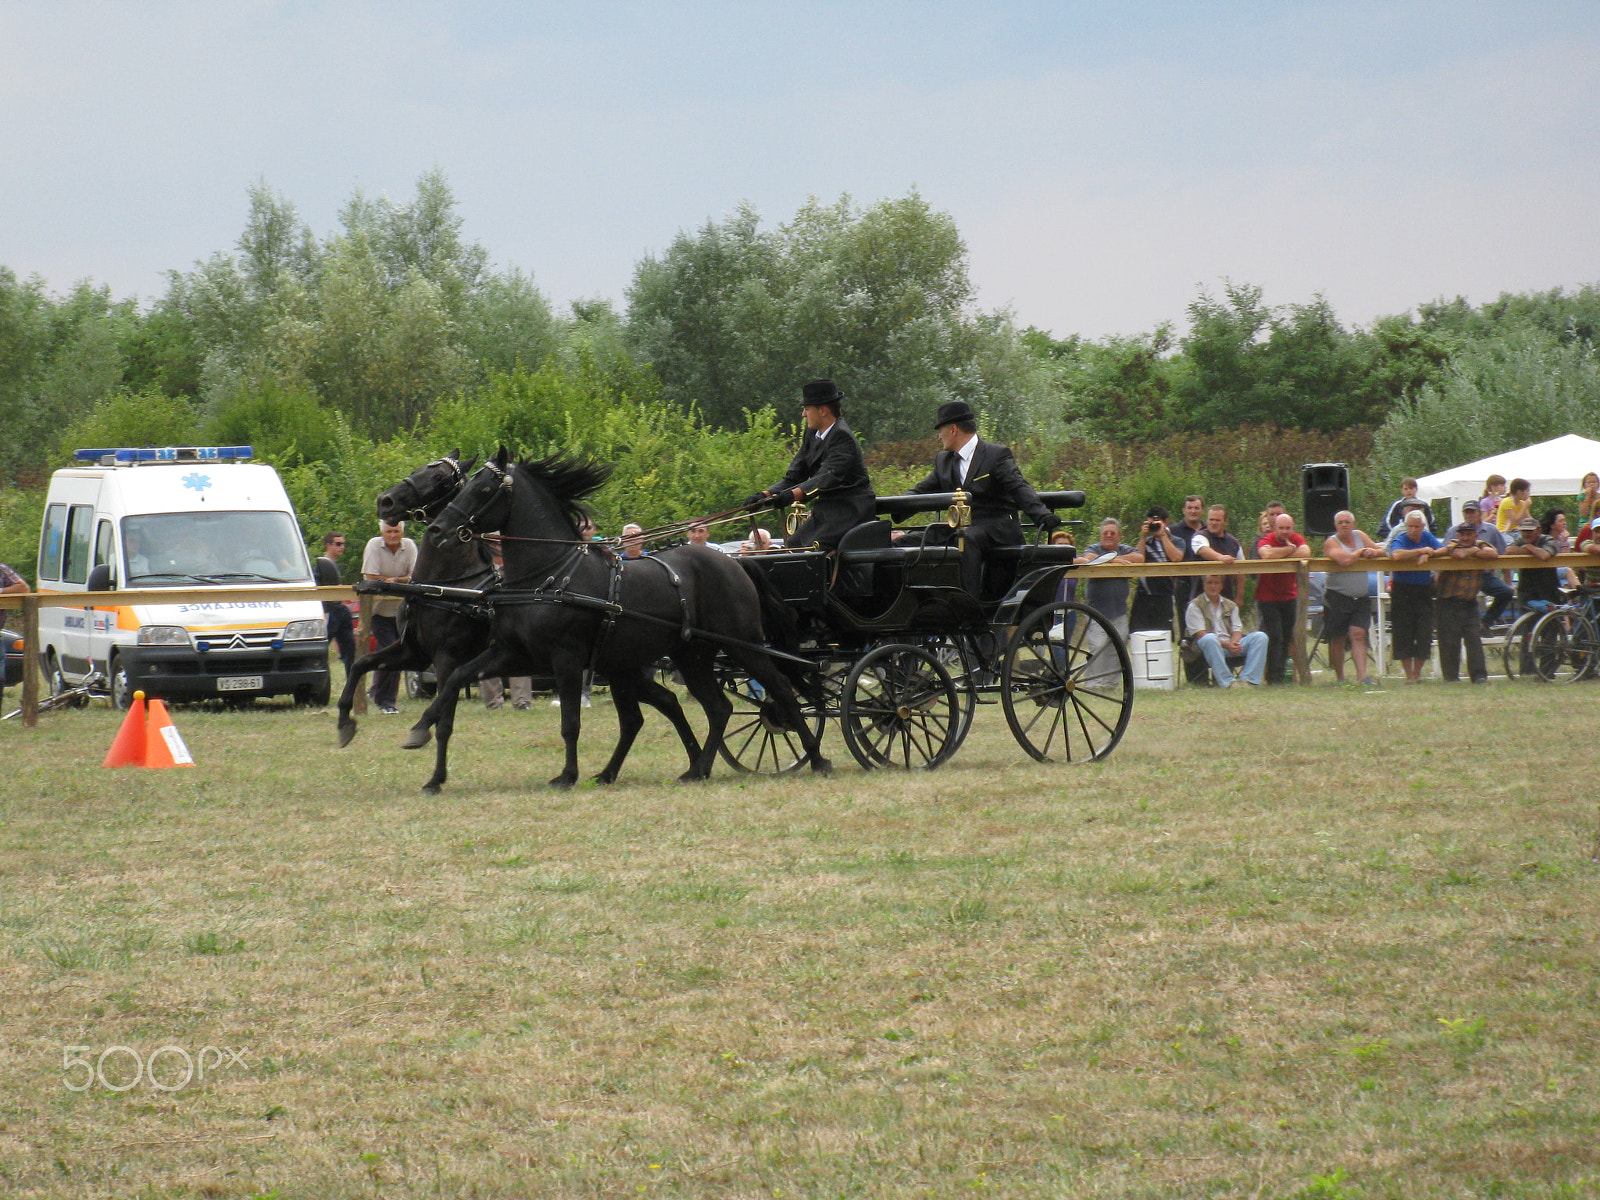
(1307, 943)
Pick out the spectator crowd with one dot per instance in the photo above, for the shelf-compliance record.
(1500, 539)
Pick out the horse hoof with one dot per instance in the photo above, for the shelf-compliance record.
(694, 776)
(822, 766)
(561, 783)
(432, 789)
(605, 777)
(417, 739)
(347, 731)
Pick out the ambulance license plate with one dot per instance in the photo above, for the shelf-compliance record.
(241, 683)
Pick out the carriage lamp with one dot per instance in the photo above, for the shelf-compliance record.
(794, 518)
(959, 514)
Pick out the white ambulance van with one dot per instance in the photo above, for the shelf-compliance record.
(179, 517)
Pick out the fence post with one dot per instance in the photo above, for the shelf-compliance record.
(30, 660)
(1302, 604)
(358, 703)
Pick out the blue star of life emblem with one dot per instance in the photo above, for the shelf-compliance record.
(197, 481)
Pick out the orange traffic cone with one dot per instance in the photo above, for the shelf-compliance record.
(128, 748)
(163, 746)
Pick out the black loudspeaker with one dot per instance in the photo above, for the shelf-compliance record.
(1324, 490)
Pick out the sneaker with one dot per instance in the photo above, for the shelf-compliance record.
(1368, 681)
(389, 710)
(522, 706)
(556, 703)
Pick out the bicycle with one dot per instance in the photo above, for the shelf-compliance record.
(1565, 644)
(1517, 649)
(94, 686)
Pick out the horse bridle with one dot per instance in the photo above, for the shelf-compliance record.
(422, 514)
(466, 522)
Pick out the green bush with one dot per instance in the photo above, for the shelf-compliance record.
(146, 418)
(20, 512)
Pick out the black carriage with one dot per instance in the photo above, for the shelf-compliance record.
(902, 654)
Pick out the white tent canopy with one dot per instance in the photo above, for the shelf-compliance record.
(1554, 468)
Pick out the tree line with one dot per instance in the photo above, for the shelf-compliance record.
(349, 358)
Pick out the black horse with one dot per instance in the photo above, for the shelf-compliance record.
(581, 607)
(435, 633)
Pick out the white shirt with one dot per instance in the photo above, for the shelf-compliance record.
(1223, 620)
(965, 454)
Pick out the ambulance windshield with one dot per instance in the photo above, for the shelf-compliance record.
(181, 549)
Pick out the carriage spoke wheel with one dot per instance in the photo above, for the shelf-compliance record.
(756, 741)
(901, 709)
(1066, 684)
(956, 655)
(1565, 646)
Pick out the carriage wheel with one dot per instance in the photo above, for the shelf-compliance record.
(1067, 688)
(756, 742)
(1564, 646)
(901, 709)
(956, 655)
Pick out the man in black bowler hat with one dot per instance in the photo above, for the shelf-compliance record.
(991, 478)
(828, 470)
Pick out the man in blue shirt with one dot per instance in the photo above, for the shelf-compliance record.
(1411, 596)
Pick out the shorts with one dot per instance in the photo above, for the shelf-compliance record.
(1341, 613)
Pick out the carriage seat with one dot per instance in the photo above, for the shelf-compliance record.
(1023, 557)
(871, 544)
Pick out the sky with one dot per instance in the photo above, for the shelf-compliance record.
(1104, 162)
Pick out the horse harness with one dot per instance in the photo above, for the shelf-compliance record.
(555, 589)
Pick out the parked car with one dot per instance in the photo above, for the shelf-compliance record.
(11, 644)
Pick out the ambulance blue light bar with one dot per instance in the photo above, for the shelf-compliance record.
(124, 456)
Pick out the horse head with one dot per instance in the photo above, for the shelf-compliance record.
(422, 494)
(481, 503)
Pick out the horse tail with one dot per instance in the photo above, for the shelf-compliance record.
(778, 621)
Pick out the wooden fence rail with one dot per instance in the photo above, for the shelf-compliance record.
(29, 603)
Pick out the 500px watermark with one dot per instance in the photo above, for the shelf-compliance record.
(122, 1068)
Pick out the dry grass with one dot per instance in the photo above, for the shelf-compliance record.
(1309, 943)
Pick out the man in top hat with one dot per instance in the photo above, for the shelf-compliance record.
(828, 470)
(994, 484)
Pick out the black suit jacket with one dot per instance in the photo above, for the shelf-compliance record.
(995, 484)
(834, 477)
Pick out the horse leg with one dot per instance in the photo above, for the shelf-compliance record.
(443, 668)
(473, 669)
(665, 701)
(445, 661)
(625, 699)
(569, 685)
(701, 681)
(393, 653)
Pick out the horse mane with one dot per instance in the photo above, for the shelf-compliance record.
(569, 479)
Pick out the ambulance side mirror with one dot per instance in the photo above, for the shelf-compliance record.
(100, 578)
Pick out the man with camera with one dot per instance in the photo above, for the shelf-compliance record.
(1152, 602)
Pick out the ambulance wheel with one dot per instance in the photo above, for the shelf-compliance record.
(121, 686)
(313, 695)
(56, 680)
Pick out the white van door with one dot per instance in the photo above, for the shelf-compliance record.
(77, 633)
